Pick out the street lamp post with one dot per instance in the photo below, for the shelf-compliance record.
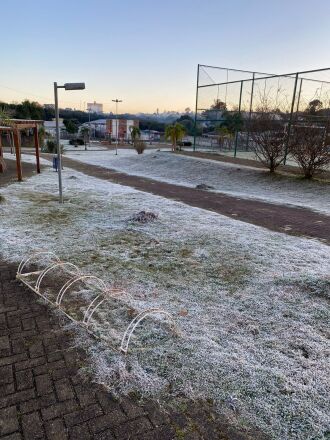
(117, 125)
(66, 86)
(89, 126)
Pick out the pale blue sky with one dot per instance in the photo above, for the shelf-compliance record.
(146, 52)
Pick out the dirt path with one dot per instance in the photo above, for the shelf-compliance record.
(281, 218)
(10, 175)
(282, 169)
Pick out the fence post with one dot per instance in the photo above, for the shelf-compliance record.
(290, 119)
(239, 112)
(36, 145)
(17, 143)
(299, 93)
(195, 122)
(251, 103)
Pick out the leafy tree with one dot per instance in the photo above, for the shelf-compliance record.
(232, 121)
(175, 133)
(219, 105)
(188, 123)
(4, 116)
(29, 110)
(314, 106)
(149, 124)
(71, 126)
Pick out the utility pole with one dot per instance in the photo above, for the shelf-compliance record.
(117, 122)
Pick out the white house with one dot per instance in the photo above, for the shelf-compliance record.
(98, 127)
(50, 126)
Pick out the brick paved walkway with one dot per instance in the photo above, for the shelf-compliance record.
(42, 394)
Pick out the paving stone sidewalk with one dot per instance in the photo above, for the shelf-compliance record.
(43, 396)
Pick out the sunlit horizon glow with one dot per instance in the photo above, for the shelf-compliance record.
(146, 53)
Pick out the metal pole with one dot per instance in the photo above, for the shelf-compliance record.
(290, 120)
(299, 93)
(89, 127)
(117, 127)
(239, 112)
(59, 157)
(195, 122)
(251, 102)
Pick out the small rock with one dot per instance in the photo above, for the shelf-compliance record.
(73, 177)
(203, 186)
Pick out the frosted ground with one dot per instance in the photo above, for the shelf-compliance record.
(237, 180)
(252, 305)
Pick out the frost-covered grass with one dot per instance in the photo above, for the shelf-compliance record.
(252, 305)
(237, 180)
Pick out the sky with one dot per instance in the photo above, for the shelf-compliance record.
(146, 52)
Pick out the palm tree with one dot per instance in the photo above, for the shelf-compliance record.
(135, 133)
(175, 133)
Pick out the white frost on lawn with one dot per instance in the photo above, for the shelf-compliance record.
(237, 180)
(28, 158)
(252, 305)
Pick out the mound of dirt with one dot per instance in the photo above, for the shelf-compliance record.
(144, 217)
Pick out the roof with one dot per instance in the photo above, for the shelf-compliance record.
(52, 124)
(97, 121)
(21, 124)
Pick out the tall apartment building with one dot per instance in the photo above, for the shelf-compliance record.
(94, 107)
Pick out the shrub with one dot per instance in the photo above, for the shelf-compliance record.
(269, 139)
(76, 142)
(310, 147)
(140, 146)
(50, 146)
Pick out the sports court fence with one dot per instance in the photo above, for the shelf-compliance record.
(294, 99)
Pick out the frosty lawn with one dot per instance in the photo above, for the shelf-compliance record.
(252, 305)
(238, 180)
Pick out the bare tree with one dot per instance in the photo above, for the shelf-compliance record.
(269, 137)
(310, 147)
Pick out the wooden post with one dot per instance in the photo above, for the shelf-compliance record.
(18, 154)
(1, 154)
(36, 144)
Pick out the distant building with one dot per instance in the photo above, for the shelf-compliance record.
(50, 126)
(49, 106)
(94, 107)
(150, 135)
(121, 128)
(98, 127)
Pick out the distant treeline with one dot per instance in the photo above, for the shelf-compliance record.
(33, 110)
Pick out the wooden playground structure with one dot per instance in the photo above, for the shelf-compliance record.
(13, 130)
